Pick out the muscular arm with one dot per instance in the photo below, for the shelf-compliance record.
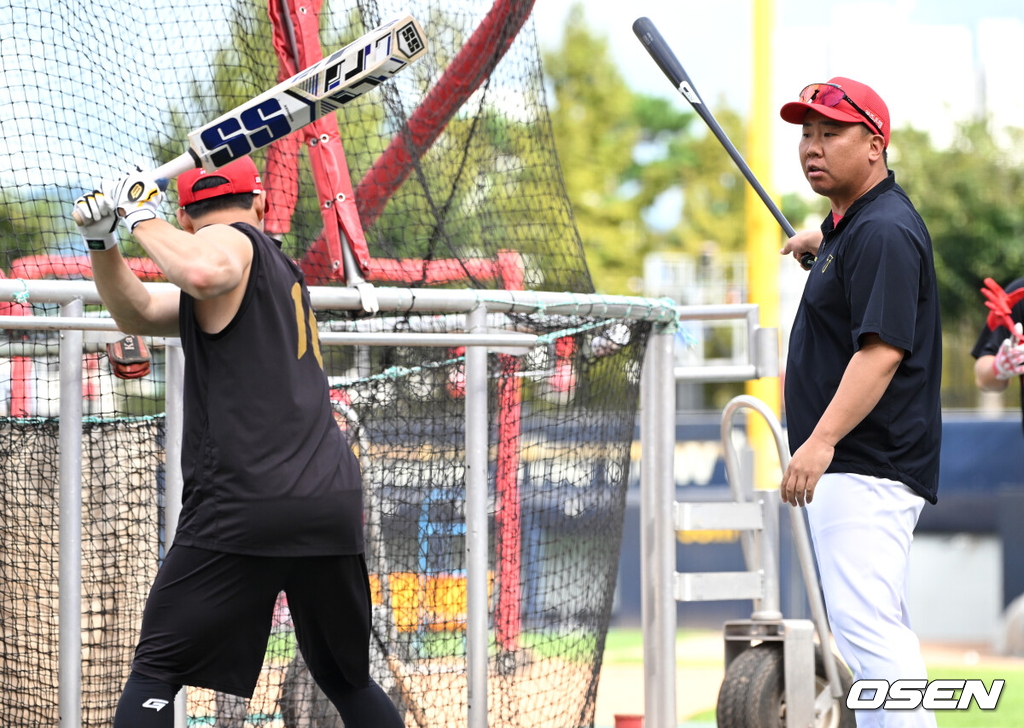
(133, 307)
(864, 382)
(206, 265)
(211, 265)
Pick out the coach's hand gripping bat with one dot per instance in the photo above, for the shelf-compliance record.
(670, 66)
(302, 99)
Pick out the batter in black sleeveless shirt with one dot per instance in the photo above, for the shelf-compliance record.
(269, 474)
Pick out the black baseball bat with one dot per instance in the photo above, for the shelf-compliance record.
(671, 67)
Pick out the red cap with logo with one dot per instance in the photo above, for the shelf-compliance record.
(239, 176)
(842, 99)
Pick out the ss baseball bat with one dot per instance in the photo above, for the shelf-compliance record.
(302, 99)
(670, 66)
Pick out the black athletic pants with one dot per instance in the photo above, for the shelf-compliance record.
(208, 619)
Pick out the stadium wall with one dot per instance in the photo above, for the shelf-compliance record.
(977, 520)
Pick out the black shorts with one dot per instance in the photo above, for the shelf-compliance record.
(209, 614)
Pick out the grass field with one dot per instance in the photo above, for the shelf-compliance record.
(1009, 712)
(624, 648)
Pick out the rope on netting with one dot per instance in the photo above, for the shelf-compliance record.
(662, 307)
(22, 296)
(133, 419)
(662, 312)
(397, 372)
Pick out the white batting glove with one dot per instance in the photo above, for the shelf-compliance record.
(96, 220)
(1009, 360)
(137, 198)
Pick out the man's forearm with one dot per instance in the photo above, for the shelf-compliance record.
(123, 294)
(985, 375)
(864, 382)
(131, 305)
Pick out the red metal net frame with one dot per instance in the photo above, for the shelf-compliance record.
(345, 212)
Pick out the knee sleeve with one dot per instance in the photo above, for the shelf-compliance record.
(146, 703)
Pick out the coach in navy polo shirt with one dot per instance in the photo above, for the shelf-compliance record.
(862, 384)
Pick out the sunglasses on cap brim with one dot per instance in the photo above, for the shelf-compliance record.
(831, 95)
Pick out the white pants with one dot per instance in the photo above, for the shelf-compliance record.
(861, 528)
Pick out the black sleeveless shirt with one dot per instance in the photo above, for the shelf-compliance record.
(266, 470)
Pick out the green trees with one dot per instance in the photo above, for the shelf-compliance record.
(970, 196)
(595, 131)
(29, 225)
(620, 151)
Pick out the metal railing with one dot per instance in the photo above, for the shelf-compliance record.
(657, 440)
(657, 487)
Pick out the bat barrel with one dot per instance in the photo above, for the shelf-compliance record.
(662, 54)
(655, 44)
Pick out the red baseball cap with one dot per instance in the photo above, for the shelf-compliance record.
(239, 176)
(842, 99)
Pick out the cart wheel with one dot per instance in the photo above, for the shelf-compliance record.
(753, 691)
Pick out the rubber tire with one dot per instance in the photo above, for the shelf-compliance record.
(753, 691)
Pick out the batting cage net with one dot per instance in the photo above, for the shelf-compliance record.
(444, 176)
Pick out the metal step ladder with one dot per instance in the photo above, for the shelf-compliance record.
(755, 514)
(810, 696)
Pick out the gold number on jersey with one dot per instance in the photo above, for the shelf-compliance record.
(315, 336)
(300, 325)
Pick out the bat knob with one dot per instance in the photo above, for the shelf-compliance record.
(807, 261)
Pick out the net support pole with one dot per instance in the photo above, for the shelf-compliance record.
(657, 528)
(648, 447)
(69, 694)
(174, 406)
(476, 522)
